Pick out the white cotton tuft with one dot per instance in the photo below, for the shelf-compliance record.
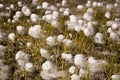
(66, 12)
(109, 23)
(29, 44)
(108, 15)
(75, 77)
(48, 12)
(38, 7)
(34, 18)
(91, 60)
(115, 5)
(1, 5)
(115, 77)
(55, 15)
(88, 17)
(73, 18)
(115, 25)
(96, 65)
(12, 6)
(52, 7)
(11, 36)
(64, 2)
(109, 30)
(26, 11)
(114, 36)
(60, 37)
(21, 63)
(100, 4)
(34, 2)
(35, 31)
(95, 4)
(89, 31)
(99, 38)
(51, 40)
(55, 23)
(20, 29)
(19, 4)
(71, 24)
(67, 57)
(80, 61)
(15, 18)
(22, 56)
(61, 9)
(82, 72)
(68, 43)
(109, 7)
(52, 75)
(19, 55)
(77, 28)
(45, 5)
(88, 4)
(47, 66)
(80, 7)
(18, 14)
(72, 69)
(29, 67)
(44, 53)
(47, 17)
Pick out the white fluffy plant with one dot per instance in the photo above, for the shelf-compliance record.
(67, 57)
(99, 38)
(89, 31)
(113, 35)
(49, 71)
(115, 77)
(45, 5)
(22, 56)
(51, 40)
(20, 29)
(11, 37)
(96, 66)
(55, 23)
(82, 72)
(23, 60)
(29, 67)
(35, 31)
(45, 53)
(19, 4)
(68, 43)
(88, 15)
(80, 61)
(64, 2)
(80, 7)
(75, 77)
(55, 15)
(66, 12)
(108, 14)
(88, 4)
(18, 14)
(60, 38)
(34, 2)
(34, 18)
(26, 11)
(72, 70)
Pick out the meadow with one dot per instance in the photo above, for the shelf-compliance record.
(59, 40)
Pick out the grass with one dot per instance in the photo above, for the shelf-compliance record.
(83, 44)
